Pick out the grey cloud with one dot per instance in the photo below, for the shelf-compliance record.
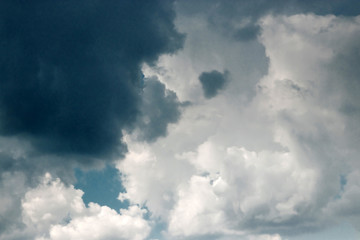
(247, 33)
(225, 15)
(212, 82)
(71, 72)
(159, 107)
(344, 66)
(342, 92)
(12, 187)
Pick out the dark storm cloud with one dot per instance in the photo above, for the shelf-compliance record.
(70, 75)
(159, 107)
(225, 15)
(212, 82)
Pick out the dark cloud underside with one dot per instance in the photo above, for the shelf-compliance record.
(70, 71)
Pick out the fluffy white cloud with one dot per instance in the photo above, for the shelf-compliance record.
(51, 203)
(247, 187)
(54, 211)
(103, 223)
(149, 177)
(198, 210)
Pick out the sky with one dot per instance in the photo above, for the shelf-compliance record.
(174, 119)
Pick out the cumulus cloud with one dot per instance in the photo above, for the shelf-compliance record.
(53, 210)
(50, 203)
(198, 210)
(290, 164)
(212, 82)
(103, 223)
(245, 191)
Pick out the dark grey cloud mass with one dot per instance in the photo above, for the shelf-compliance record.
(71, 70)
(212, 82)
(222, 14)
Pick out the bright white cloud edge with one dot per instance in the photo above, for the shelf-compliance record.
(207, 177)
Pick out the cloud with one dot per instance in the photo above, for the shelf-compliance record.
(206, 49)
(345, 204)
(245, 191)
(238, 19)
(12, 186)
(269, 168)
(212, 82)
(71, 84)
(273, 156)
(50, 203)
(53, 210)
(159, 107)
(198, 210)
(247, 33)
(103, 223)
(71, 73)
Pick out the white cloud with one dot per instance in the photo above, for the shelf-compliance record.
(150, 177)
(53, 211)
(247, 187)
(207, 50)
(273, 164)
(305, 99)
(198, 210)
(266, 237)
(103, 223)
